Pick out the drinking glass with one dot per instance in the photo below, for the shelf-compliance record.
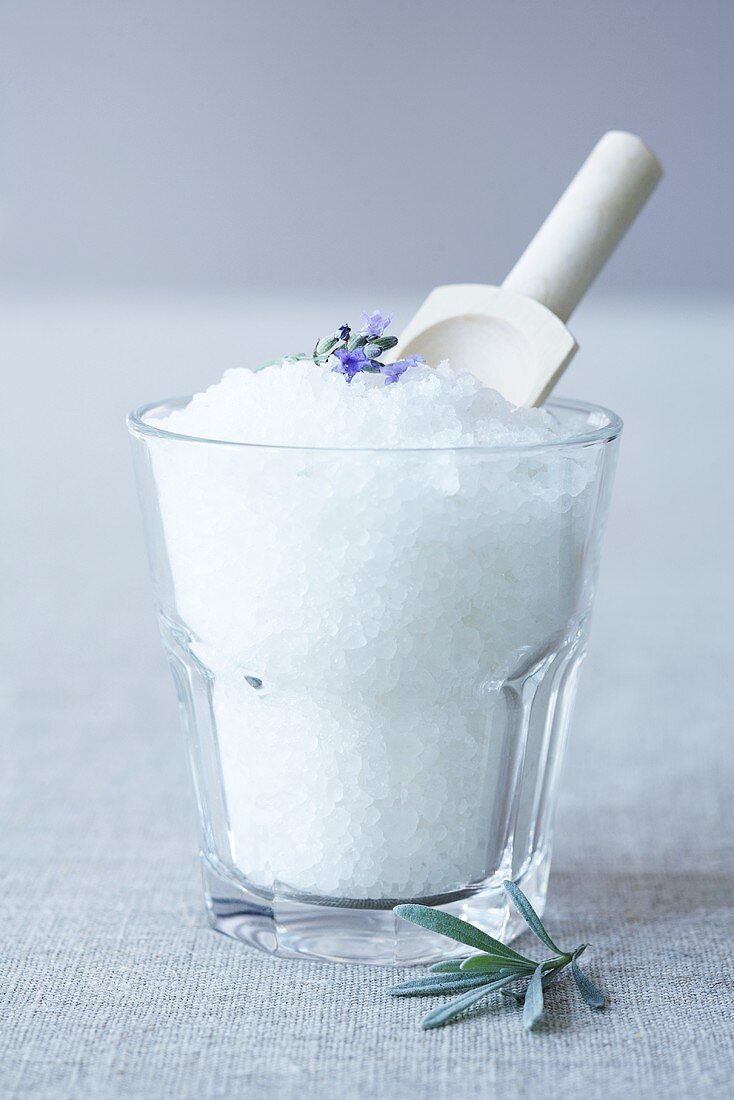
(376, 655)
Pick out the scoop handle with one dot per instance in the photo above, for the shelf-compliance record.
(587, 223)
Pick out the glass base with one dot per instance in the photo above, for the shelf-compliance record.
(292, 928)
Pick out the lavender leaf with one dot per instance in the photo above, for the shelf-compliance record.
(529, 915)
(591, 994)
(460, 930)
(533, 1007)
(443, 1015)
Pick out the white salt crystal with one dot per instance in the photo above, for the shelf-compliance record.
(381, 600)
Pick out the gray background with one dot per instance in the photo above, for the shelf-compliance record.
(267, 143)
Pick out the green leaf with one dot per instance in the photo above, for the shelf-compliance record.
(437, 983)
(492, 962)
(593, 996)
(356, 341)
(460, 930)
(529, 915)
(385, 342)
(372, 350)
(517, 973)
(533, 1008)
(449, 966)
(446, 1013)
(438, 980)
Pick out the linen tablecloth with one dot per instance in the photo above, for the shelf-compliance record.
(112, 983)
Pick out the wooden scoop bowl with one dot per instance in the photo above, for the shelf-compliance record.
(514, 337)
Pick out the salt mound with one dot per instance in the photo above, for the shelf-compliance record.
(302, 404)
(371, 627)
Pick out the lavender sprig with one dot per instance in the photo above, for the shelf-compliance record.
(361, 352)
(498, 969)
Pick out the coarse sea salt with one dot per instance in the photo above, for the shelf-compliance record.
(300, 404)
(360, 612)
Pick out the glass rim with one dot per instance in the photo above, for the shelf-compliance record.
(138, 425)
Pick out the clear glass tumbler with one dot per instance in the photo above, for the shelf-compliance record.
(376, 655)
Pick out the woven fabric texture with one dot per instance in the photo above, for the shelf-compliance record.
(111, 982)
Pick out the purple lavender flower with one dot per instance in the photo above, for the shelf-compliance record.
(343, 332)
(374, 324)
(393, 371)
(351, 362)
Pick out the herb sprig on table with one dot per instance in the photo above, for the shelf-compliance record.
(498, 969)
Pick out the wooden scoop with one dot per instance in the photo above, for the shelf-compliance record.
(514, 337)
